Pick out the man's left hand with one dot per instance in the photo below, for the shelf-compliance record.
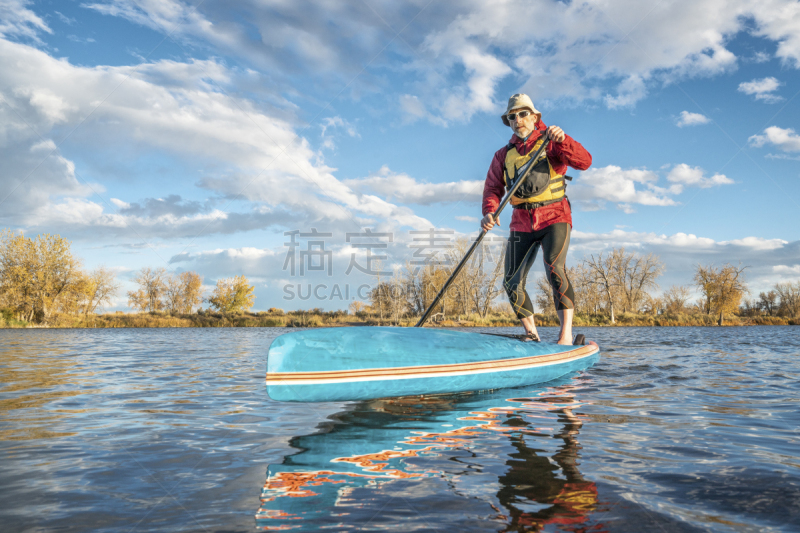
(556, 133)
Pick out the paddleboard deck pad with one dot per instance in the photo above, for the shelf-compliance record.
(365, 363)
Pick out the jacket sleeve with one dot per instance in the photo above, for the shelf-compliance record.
(572, 153)
(494, 188)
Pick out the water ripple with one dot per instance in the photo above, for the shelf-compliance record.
(674, 429)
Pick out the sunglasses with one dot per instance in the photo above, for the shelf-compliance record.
(521, 114)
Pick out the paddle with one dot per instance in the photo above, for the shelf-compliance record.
(483, 232)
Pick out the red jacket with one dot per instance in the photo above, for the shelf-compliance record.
(569, 152)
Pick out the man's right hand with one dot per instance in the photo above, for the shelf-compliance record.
(488, 222)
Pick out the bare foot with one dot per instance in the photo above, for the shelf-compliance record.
(565, 341)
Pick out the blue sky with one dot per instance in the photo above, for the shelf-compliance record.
(193, 135)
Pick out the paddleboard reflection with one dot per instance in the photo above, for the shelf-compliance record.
(505, 460)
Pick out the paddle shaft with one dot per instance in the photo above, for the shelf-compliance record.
(482, 234)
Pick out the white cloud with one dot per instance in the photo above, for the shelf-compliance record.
(624, 187)
(694, 176)
(630, 91)
(119, 203)
(483, 72)
(16, 20)
(465, 218)
(761, 57)
(175, 108)
(762, 89)
(331, 40)
(462, 51)
(758, 243)
(327, 123)
(412, 107)
(65, 19)
(406, 190)
(779, 20)
(687, 118)
(787, 269)
(784, 138)
(629, 187)
(578, 48)
(783, 156)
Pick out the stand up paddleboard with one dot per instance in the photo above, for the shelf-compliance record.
(364, 363)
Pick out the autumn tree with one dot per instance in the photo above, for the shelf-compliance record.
(356, 307)
(98, 288)
(233, 295)
(722, 288)
(152, 287)
(36, 273)
(182, 292)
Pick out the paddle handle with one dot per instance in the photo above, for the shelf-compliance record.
(482, 234)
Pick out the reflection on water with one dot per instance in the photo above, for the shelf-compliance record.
(674, 429)
(30, 382)
(523, 453)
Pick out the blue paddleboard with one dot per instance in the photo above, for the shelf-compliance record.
(364, 363)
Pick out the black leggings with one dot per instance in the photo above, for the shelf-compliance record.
(520, 255)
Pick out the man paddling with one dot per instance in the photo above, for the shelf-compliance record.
(542, 213)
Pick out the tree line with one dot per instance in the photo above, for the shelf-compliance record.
(160, 290)
(40, 277)
(607, 284)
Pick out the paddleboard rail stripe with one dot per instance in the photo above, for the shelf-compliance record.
(421, 371)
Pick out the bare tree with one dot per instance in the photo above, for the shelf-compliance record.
(639, 275)
(789, 294)
(544, 296)
(675, 299)
(414, 290)
(768, 302)
(460, 289)
(652, 304)
(606, 275)
(398, 304)
(487, 284)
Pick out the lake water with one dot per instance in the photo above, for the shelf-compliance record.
(674, 429)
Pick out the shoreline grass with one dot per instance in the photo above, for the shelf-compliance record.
(319, 318)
